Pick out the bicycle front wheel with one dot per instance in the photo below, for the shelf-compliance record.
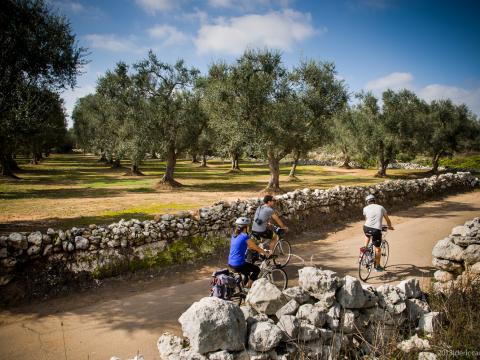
(385, 253)
(277, 277)
(365, 265)
(282, 252)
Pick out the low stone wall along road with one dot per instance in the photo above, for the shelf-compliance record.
(126, 317)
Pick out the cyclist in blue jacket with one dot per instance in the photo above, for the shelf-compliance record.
(239, 243)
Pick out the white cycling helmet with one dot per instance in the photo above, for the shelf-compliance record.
(242, 221)
(369, 198)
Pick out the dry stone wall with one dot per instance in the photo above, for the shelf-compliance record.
(103, 250)
(325, 317)
(457, 257)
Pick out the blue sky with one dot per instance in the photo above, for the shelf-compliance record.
(430, 47)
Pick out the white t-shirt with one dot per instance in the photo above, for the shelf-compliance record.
(373, 215)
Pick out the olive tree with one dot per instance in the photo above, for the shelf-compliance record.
(171, 106)
(322, 95)
(447, 128)
(38, 49)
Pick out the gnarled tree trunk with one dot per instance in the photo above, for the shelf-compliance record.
(167, 178)
(235, 167)
(194, 158)
(274, 167)
(436, 161)
(204, 161)
(296, 157)
(346, 158)
(383, 160)
(6, 169)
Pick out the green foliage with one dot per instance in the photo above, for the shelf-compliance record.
(446, 129)
(462, 162)
(39, 57)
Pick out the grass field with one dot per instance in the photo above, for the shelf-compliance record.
(75, 189)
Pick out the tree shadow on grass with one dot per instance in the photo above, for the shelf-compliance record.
(66, 193)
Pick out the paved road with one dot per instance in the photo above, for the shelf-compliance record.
(124, 319)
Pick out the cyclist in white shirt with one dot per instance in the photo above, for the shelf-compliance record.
(374, 214)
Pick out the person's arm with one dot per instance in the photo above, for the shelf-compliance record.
(251, 245)
(279, 221)
(389, 223)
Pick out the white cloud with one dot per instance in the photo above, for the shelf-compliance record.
(112, 43)
(153, 6)
(394, 81)
(67, 6)
(248, 5)
(280, 30)
(458, 95)
(169, 34)
(220, 3)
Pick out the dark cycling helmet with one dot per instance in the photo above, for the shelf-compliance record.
(369, 198)
(242, 221)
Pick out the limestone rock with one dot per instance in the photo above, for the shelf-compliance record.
(289, 308)
(318, 282)
(427, 356)
(460, 231)
(220, 355)
(313, 314)
(34, 250)
(298, 294)
(290, 325)
(428, 322)
(446, 249)
(471, 255)
(475, 268)
(307, 331)
(416, 308)
(411, 288)
(447, 265)
(265, 297)
(264, 336)
(169, 345)
(81, 243)
(391, 299)
(17, 241)
(413, 344)
(213, 324)
(35, 238)
(351, 294)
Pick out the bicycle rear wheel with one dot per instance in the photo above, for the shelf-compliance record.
(277, 277)
(385, 253)
(283, 252)
(365, 265)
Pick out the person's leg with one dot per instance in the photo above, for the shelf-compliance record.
(273, 242)
(253, 271)
(377, 242)
(378, 252)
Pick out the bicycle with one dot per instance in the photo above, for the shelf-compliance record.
(366, 260)
(282, 249)
(272, 272)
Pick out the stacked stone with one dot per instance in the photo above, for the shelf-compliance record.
(322, 317)
(457, 257)
(328, 162)
(95, 247)
(411, 166)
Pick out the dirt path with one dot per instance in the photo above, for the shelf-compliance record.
(128, 318)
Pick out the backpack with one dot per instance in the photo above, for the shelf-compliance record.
(222, 284)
